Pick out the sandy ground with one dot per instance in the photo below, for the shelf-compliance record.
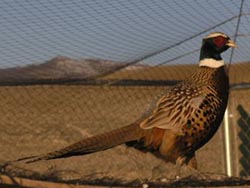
(40, 119)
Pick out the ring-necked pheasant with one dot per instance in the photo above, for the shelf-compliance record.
(183, 120)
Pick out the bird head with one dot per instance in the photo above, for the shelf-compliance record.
(212, 46)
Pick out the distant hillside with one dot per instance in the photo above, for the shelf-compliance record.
(238, 74)
(58, 68)
(64, 70)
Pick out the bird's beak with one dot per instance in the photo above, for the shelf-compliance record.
(232, 44)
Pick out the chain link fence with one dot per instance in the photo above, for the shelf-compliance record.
(244, 135)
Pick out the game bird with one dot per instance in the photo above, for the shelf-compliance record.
(182, 121)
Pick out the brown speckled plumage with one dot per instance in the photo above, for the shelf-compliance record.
(183, 119)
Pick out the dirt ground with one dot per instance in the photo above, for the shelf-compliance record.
(40, 119)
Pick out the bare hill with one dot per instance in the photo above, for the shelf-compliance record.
(65, 70)
(238, 73)
(58, 68)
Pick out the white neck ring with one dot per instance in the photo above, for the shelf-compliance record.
(212, 63)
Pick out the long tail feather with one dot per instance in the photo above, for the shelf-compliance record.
(93, 144)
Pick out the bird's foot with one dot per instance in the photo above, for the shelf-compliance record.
(200, 175)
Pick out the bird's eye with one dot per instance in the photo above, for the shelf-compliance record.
(220, 41)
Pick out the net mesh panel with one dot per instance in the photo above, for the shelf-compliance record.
(72, 69)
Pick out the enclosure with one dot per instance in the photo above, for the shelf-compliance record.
(73, 69)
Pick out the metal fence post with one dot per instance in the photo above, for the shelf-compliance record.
(227, 144)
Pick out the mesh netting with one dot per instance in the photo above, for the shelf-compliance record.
(72, 69)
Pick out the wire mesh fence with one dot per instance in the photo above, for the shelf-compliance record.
(244, 137)
(74, 69)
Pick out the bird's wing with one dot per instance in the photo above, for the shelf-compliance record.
(173, 110)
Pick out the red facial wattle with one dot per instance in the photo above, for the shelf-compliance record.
(220, 41)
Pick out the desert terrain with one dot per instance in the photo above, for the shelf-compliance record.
(37, 119)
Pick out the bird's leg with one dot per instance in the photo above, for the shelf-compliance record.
(179, 163)
(192, 162)
(192, 165)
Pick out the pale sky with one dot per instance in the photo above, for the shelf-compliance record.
(34, 31)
